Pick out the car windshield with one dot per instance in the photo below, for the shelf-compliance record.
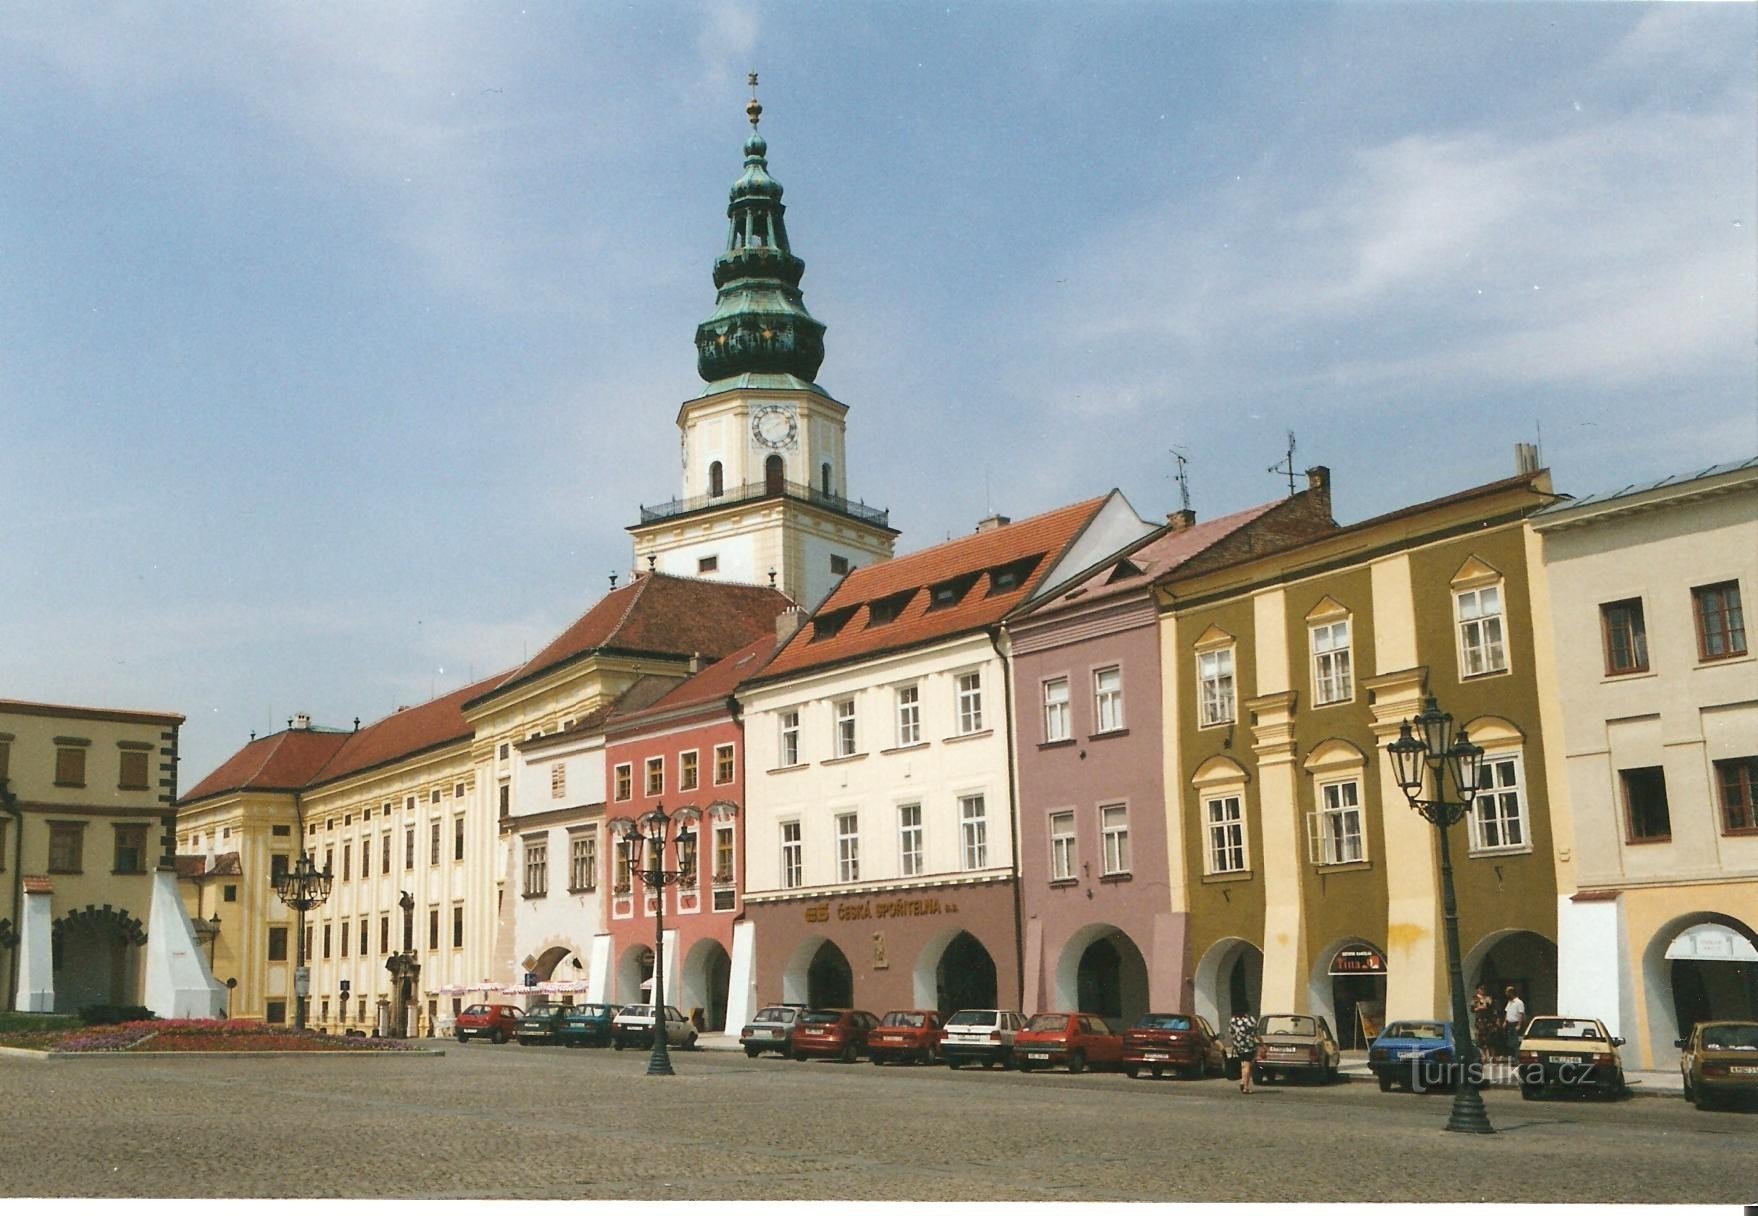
(1565, 1028)
(545, 1011)
(1282, 1023)
(972, 1017)
(1163, 1021)
(904, 1017)
(820, 1017)
(1047, 1021)
(1415, 1030)
(777, 1013)
(1730, 1038)
(588, 1011)
(476, 1010)
(638, 1011)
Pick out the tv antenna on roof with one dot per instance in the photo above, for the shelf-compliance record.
(1183, 476)
(1287, 465)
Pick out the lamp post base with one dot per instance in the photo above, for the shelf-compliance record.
(659, 1063)
(1469, 1114)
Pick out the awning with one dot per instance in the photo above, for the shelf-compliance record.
(1712, 943)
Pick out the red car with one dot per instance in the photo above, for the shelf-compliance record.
(496, 1023)
(906, 1034)
(1180, 1043)
(839, 1033)
(1075, 1039)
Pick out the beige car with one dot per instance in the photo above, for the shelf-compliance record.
(1571, 1055)
(1295, 1045)
(1719, 1062)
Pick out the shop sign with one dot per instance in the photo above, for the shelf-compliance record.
(1358, 960)
(879, 909)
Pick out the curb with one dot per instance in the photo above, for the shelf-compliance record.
(352, 1053)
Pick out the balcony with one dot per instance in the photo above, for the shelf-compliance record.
(753, 491)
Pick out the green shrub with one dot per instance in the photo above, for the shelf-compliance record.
(111, 1015)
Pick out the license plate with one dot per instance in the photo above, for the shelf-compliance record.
(1565, 1059)
(1410, 1055)
(1745, 1070)
(1037, 1055)
(1283, 1051)
(1155, 1055)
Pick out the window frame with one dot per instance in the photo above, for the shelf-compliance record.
(1226, 655)
(787, 738)
(689, 769)
(1214, 847)
(1064, 845)
(653, 776)
(534, 867)
(60, 833)
(136, 833)
(1463, 648)
(1630, 836)
(908, 832)
(583, 860)
(973, 832)
(793, 854)
(623, 782)
(1634, 629)
(1114, 840)
(1333, 687)
(848, 846)
(908, 702)
(1321, 841)
(846, 738)
(1054, 708)
(1108, 702)
(1523, 812)
(968, 702)
(1749, 794)
(1733, 615)
(726, 761)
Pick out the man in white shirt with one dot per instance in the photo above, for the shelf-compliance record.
(1514, 1016)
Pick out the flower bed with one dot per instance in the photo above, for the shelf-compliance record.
(189, 1034)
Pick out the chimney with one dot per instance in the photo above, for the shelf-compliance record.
(1318, 484)
(992, 522)
(788, 623)
(301, 721)
(1182, 519)
(1525, 459)
(695, 661)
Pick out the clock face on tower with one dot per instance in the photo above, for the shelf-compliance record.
(774, 426)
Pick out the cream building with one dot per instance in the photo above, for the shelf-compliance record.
(1657, 686)
(89, 911)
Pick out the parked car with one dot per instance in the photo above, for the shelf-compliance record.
(771, 1030)
(1295, 1045)
(1569, 1054)
(906, 1034)
(1182, 1043)
(1078, 1040)
(496, 1023)
(540, 1023)
(1720, 1062)
(838, 1033)
(981, 1036)
(633, 1027)
(587, 1025)
(1416, 1055)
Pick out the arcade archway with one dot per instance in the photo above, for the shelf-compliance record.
(954, 971)
(706, 979)
(1229, 981)
(634, 970)
(1516, 958)
(1102, 971)
(1700, 967)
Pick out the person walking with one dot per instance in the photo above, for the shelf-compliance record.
(1514, 1017)
(1484, 1023)
(1242, 1029)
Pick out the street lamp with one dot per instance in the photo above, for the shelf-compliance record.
(302, 887)
(651, 830)
(1431, 751)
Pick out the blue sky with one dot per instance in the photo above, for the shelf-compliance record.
(339, 343)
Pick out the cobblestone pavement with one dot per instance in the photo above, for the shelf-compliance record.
(550, 1123)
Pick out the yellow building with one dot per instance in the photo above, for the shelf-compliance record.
(89, 913)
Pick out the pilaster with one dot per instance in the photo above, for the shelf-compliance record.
(1415, 949)
(1285, 946)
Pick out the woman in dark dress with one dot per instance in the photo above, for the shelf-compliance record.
(1242, 1029)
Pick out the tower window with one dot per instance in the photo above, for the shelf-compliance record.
(838, 564)
(716, 480)
(774, 474)
(708, 565)
(824, 476)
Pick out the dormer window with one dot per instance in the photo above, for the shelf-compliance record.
(950, 592)
(884, 611)
(1013, 575)
(829, 624)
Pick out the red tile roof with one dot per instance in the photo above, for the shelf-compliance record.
(712, 685)
(285, 760)
(663, 614)
(1044, 537)
(405, 733)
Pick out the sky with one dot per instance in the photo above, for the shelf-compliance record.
(339, 344)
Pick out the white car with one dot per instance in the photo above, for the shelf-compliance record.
(633, 1027)
(982, 1036)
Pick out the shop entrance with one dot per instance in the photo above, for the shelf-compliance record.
(1102, 971)
(707, 976)
(1714, 973)
(1521, 960)
(1352, 993)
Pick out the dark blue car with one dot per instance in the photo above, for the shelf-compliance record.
(1416, 1055)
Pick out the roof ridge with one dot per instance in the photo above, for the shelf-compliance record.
(641, 585)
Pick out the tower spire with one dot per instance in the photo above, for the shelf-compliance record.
(760, 322)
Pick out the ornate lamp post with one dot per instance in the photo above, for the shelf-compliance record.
(652, 830)
(1429, 749)
(302, 887)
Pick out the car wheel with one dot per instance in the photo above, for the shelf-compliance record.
(1132, 1072)
(1703, 1101)
(1385, 1081)
(954, 1063)
(751, 1053)
(462, 1037)
(500, 1036)
(850, 1053)
(1690, 1095)
(1529, 1091)
(928, 1055)
(1025, 1066)
(877, 1059)
(616, 1044)
(1331, 1075)
(799, 1057)
(690, 1043)
(1077, 1061)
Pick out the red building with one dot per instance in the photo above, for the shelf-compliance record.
(684, 752)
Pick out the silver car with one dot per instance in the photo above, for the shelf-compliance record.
(633, 1027)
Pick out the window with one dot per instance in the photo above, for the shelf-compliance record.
(66, 848)
(384, 854)
(1482, 649)
(343, 936)
(624, 782)
(1721, 627)
(229, 893)
(1214, 677)
(824, 477)
(506, 799)
(133, 774)
(974, 830)
(326, 939)
(723, 854)
(365, 937)
(1736, 781)
(5, 757)
(848, 848)
(1335, 836)
(1114, 824)
(384, 935)
(1056, 724)
(909, 838)
(909, 716)
(536, 868)
(687, 774)
(433, 928)
(70, 765)
(131, 846)
(845, 728)
(1498, 818)
(433, 842)
(1645, 805)
(278, 944)
(709, 564)
(366, 857)
(409, 848)
(457, 792)
(457, 926)
(458, 838)
(838, 564)
(790, 738)
(792, 872)
(655, 783)
(433, 797)
(1332, 672)
(723, 764)
(275, 1012)
(622, 879)
(583, 862)
(558, 781)
(409, 803)
(1626, 637)
(1226, 828)
(1062, 846)
(329, 856)
(687, 847)
(347, 861)
(970, 702)
(1107, 700)
(307, 943)
(716, 480)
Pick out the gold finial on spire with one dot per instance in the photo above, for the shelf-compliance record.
(753, 110)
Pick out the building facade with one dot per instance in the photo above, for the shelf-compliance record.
(1657, 686)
